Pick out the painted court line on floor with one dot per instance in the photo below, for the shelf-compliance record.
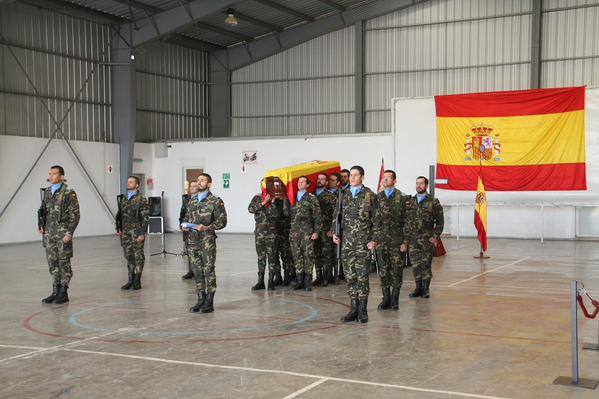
(81, 341)
(305, 389)
(268, 371)
(488, 271)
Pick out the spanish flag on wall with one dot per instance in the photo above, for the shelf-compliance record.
(528, 140)
(480, 214)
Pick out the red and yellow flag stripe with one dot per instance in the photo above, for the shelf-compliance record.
(519, 140)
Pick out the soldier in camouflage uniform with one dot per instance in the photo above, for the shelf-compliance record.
(358, 207)
(182, 212)
(390, 216)
(334, 188)
(283, 245)
(305, 226)
(58, 218)
(132, 225)
(265, 214)
(207, 212)
(344, 179)
(422, 228)
(325, 249)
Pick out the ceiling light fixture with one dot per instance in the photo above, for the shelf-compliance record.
(231, 20)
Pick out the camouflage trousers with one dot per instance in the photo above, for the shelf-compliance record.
(325, 254)
(302, 249)
(58, 255)
(421, 257)
(202, 253)
(134, 253)
(391, 264)
(356, 266)
(283, 251)
(266, 250)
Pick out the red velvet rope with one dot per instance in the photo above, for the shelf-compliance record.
(584, 309)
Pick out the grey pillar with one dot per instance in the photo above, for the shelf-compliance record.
(220, 98)
(360, 87)
(536, 40)
(123, 105)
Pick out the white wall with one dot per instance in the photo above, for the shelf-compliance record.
(224, 156)
(511, 214)
(17, 154)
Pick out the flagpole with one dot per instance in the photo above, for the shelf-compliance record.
(481, 255)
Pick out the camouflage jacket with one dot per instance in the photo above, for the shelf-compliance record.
(305, 215)
(328, 204)
(208, 212)
(61, 211)
(390, 217)
(267, 217)
(423, 221)
(284, 216)
(134, 215)
(358, 224)
(183, 211)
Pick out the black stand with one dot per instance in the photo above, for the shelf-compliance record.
(164, 252)
(481, 255)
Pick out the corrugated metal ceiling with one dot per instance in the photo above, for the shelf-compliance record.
(256, 17)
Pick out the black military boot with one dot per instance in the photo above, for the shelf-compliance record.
(286, 278)
(201, 298)
(308, 282)
(318, 280)
(62, 296)
(285, 281)
(52, 296)
(189, 274)
(386, 302)
(129, 283)
(208, 306)
(363, 310)
(292, 274)
(299, 282)
(260, 284)
(352, 315)
(418, 291)
(278, 278)
(425, 289)
(136, 281)
(325, 278)
(271, 281)
(395, 299)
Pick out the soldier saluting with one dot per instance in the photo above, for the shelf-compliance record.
(132, 224)
(58, 218)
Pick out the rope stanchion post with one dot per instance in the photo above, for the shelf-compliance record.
(575, 379)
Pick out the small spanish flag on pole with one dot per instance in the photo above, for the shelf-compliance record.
(381, 173)
(480, 216)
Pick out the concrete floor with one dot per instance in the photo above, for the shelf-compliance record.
(497, 328)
